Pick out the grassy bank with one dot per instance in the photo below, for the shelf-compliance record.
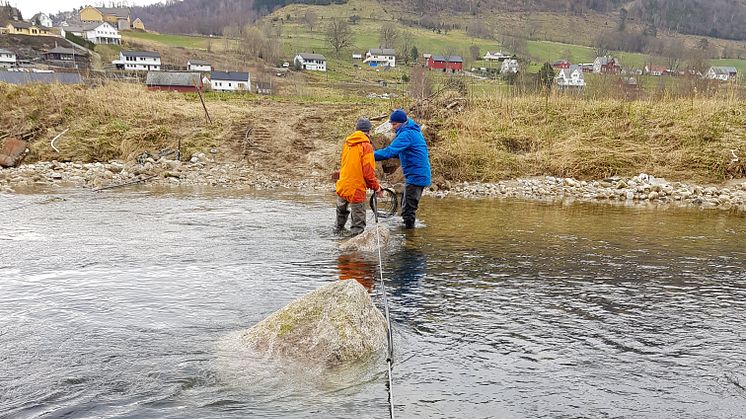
(291, 135)
(678, 139)
(492, 138)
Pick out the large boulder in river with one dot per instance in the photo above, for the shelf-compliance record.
(332, 326)
(367, 241)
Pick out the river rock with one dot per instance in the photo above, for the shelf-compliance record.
(367, 240)
(335, 325)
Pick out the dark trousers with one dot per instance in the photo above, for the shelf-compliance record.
(410, 202)
(344, 208)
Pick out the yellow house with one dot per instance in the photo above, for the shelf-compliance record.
(18, 27)
(119, 17)
(137, 24)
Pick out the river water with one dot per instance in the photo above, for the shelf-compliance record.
(113, 304)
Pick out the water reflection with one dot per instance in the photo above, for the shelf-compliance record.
(358, 266)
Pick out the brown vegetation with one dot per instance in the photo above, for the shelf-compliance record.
(484, 139)
(680, 139)
(292, 138)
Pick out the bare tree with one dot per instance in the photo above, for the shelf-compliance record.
(388, 35)
(475, 53)
(420, 86)
(253, 41)
(310, 19)
(674, 51)
(338, 35)
(405, 46)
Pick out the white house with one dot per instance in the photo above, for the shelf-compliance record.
(380, 57)
(570, 78)
(722, 73)
(509, 66)
(230, 81)
(100, 33)
(198, 65)
(495, 56)
(41, 19)
(313, 62)
(138, 61)
(7, 58)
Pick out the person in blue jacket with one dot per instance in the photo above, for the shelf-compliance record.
(410, 147)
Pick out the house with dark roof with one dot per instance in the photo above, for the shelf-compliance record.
(230, 81)
(138, 61)
(445, 63)
(199, 65)
(606, 65)
(380, 57)
(7, 58)
(18, 77)
(173, 81)
(722, 73)
(312, 62)
(20, 27)
(264, 87)
(67, 57)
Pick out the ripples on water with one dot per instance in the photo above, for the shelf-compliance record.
(113, 305)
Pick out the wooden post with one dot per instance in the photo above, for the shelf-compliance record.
(201, 99)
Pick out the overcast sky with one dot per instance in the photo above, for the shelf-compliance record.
(31, 7)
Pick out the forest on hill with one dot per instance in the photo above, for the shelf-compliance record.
(717, 18)
(180, 16)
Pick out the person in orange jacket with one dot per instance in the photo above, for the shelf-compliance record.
(357, 173)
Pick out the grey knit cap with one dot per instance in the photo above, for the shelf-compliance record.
(363, 124)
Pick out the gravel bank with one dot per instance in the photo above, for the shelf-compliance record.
(642, 189)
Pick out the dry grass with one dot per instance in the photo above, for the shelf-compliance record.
(493, 138)
(117, 120)
(684, 139)
(291, 136)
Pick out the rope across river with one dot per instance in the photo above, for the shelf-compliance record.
(390, 353)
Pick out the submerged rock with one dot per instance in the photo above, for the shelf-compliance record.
(332, 326)
(367, 241)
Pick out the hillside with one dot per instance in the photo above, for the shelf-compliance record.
(716, 18)
(214, 15)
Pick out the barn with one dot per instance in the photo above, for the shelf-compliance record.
(452, 63)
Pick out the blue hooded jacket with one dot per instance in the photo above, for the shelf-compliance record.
(409, 145)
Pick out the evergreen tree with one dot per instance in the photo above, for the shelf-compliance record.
(546, 76)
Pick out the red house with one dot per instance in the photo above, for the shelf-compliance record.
(173, 81)
(451, 63)
(561, 65)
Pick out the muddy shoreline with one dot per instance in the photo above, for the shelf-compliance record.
(644, 189)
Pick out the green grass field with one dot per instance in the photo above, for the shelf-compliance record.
(298, 37)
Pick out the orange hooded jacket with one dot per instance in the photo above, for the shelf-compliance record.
(358, 168)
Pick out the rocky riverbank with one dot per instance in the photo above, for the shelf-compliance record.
(199, 171)
(202, 171)
(643, 189)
